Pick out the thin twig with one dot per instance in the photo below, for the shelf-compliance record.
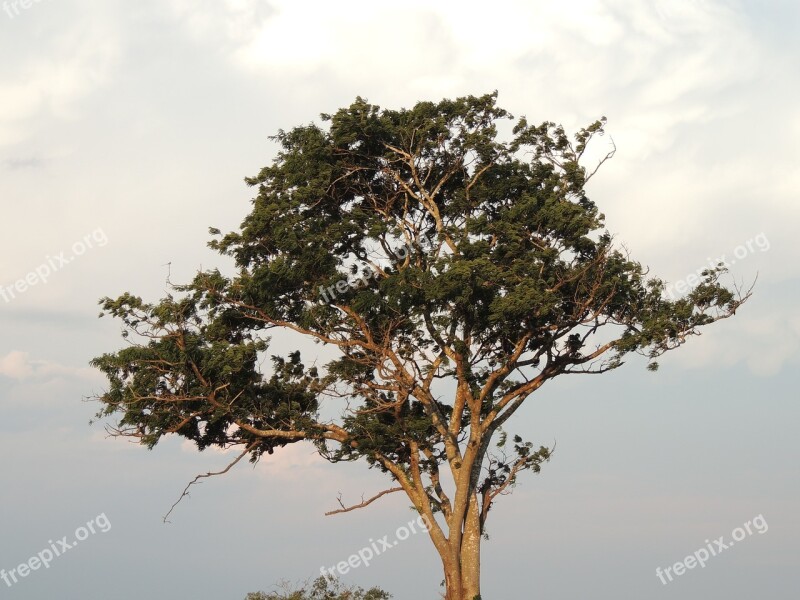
(185, 493)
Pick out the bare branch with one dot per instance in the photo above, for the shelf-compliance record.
(363, 502)
(185, 493)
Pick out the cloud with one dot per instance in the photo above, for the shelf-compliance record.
(283, 462)
(654, 69)
(226, 23)
(50, 80)
(654, 56)
(23, 163)
(765, 341)
(16, 365)
(19, 365)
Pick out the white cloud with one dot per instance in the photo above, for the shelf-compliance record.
(765, 342)
(656, 68)
(672, 76)
(19, 365)
(16, 365)
(49, 81)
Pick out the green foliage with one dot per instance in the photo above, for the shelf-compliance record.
(322, 589)
(495, 274)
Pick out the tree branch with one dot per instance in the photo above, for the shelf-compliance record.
(363, 503)
(185, 493)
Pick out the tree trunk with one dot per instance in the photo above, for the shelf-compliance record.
(462, 565)
(471, 552)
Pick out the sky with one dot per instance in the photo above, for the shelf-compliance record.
(126, 131)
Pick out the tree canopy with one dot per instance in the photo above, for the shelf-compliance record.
(321, 589)
(455, 272)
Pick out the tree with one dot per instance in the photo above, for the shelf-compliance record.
(453, 273)
(321, 589)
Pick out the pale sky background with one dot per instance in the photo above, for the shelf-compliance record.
(140, 120)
